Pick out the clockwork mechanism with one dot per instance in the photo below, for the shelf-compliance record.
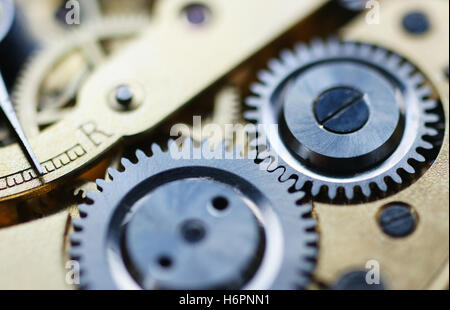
(224, 145)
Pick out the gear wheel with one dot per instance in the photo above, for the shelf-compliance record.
(49, 83)
(193, 224)
(353, 119)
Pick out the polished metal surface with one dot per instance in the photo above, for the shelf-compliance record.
(342, 152)
(206, 238)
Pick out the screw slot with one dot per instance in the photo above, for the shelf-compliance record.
(341, 110)
(397, 220)
(416, 23)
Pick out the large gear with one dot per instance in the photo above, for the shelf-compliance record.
(50, 81)
(193, 224)
(351, 116)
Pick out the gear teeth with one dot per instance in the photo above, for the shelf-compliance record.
(315, 189)
(140, 155)
(101, 184)
(401, 70)
(380, 55)
(93, 196)
(113, 173)
(396, 178)
(382, 186)
(268, 163)
(365, 50)
(278, 172)
(349, 48)
(431, 118)
(302, 52)
(429, 104)
(78, 223)
(284, 177)
(155, 148)
(288, 58)
(259, 89)
(426, 145)
(394, 61)
(276, 66)
(431, 132)
(417, 79)
(333, 45)
(408, 168)
(173, 146)
(332, 191)
(306, 210)
(266, 77)
(424, 91)
(100, 209)
(83, 209)
(251, 114)
(318, 47)
(365, 189)
(310, 223)
(407, 69)
(349, 192)
(292, 181)
(418, 157)
(126, 163)
(252, 102)
(76, 238)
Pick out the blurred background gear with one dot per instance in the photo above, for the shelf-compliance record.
(47, 18)
(48, 87)
(223, 223)
(16, 43)
(328, 99)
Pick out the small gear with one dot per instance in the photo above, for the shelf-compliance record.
(47, 89)
(193, 224)
(350, 116)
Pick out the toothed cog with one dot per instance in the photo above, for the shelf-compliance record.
(194, 224)
(350, 117)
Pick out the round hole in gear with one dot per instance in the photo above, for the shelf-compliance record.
(220, 203)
